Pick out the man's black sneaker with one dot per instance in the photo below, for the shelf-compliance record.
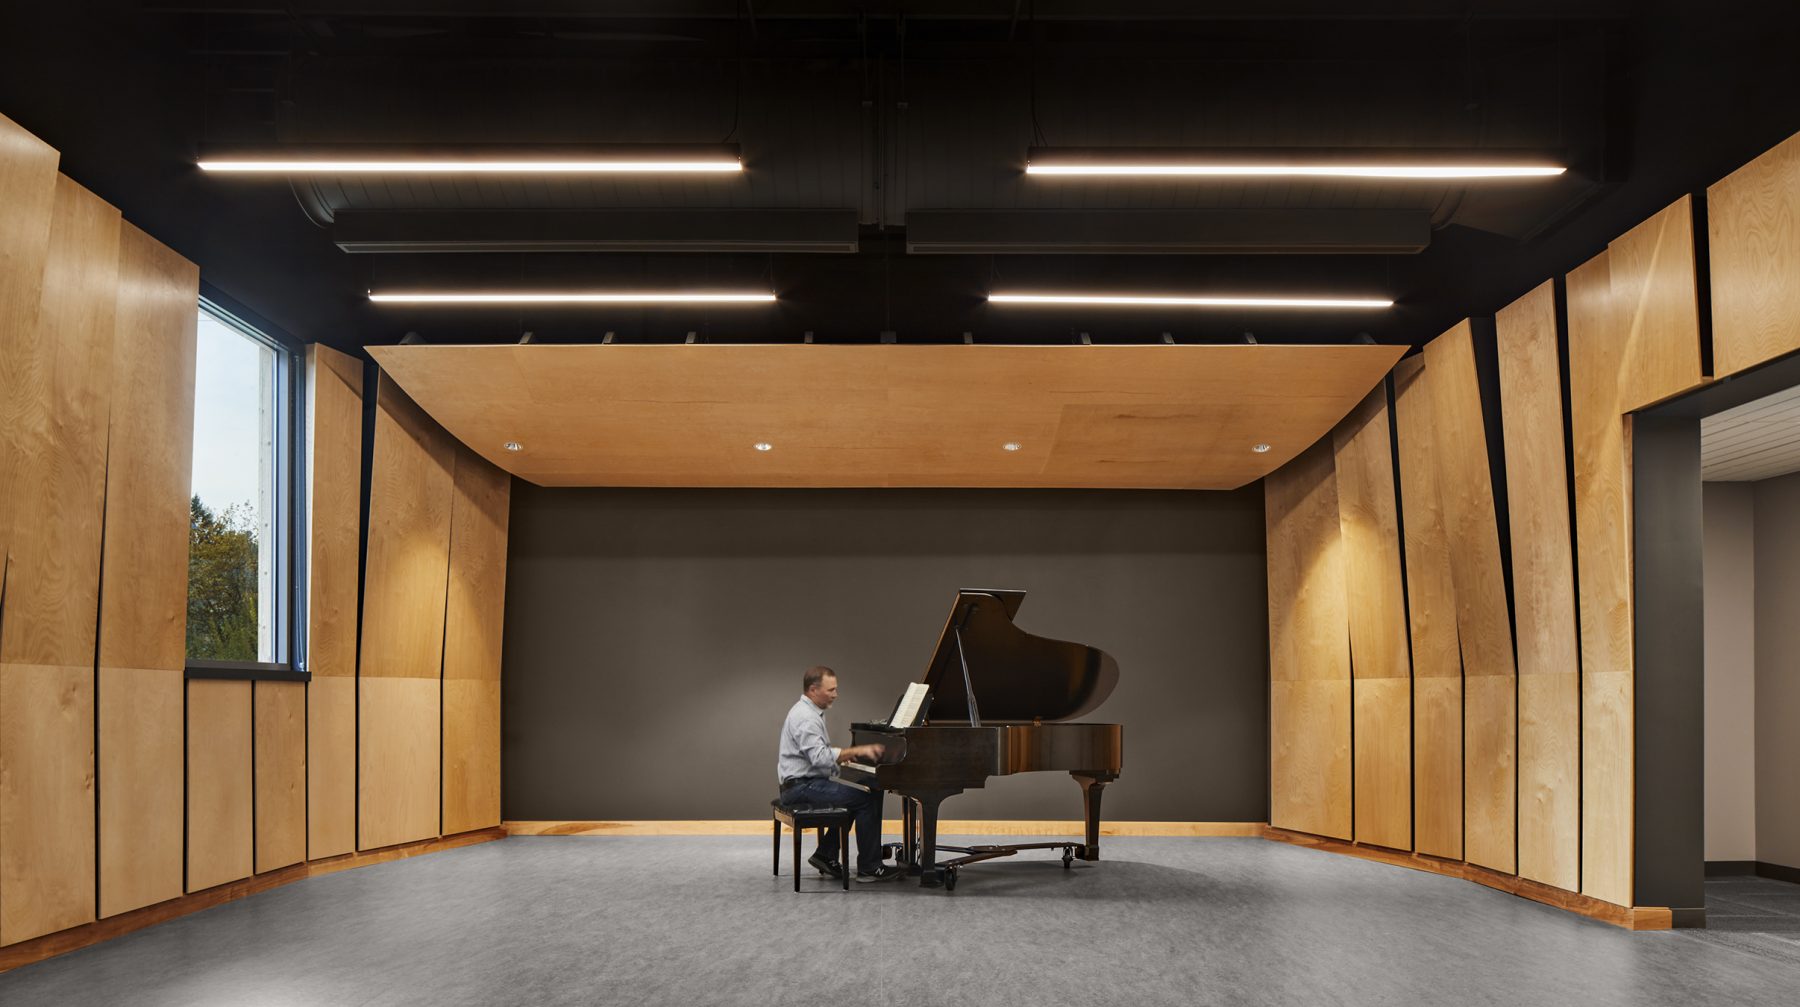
(886, 872)
(826, 865)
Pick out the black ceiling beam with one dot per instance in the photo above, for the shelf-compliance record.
(596, 231)
(1001, 11)
(1167, 232)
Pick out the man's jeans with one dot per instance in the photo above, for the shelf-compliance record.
(819, 792)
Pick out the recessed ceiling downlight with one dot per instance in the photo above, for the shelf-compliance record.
(513, 446)
(1261, 449)
(763, 446)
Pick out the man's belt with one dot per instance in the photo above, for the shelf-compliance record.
(787, 785)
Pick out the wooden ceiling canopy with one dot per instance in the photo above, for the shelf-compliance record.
(1148, 417)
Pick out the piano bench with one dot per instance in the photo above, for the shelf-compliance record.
(802, 818)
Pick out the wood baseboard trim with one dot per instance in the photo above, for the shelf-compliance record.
(63, 941)
(1628, 917)
(948, 827)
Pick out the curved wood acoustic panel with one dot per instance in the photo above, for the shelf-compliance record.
(1162, 417)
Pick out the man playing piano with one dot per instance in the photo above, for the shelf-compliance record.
(805, 767)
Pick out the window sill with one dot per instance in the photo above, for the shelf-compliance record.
(245, 671)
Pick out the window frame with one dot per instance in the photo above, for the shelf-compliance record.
(290, 519)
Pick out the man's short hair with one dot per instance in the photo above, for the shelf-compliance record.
(814, 675)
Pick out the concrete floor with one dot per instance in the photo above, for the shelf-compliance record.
(579, 920)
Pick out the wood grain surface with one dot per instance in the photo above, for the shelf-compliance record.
(28, 192)
(1170, 417)
(1601, 440)
(1484, 623)
(1753, 223)
(58, 413)
(1543, 591)
(221, 818)
(472, 634)
(46, 799)
(143, 597)
(409, 542)
(1309, 653)
(398, 789)
(1381, 665)
(149, 473)
(1654, 291)
(1431, 603)
(280, 753)
(334, 447)
(471, 754)
(330, 766)
(140, 758)
(334, 422)
(399, 698)
(56, 422)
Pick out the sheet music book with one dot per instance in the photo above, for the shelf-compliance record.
(908, 710)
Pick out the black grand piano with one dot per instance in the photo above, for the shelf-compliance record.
(999, 701)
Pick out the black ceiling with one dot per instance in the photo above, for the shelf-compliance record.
(895, 112)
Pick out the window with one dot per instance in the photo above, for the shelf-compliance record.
(244, 615)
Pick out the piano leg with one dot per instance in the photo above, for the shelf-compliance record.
(909, 835)
(928, 823)
(1090, 784)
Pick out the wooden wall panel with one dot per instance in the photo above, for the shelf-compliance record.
(471, 754)
(330, 766)
(1652, 268)
(28, 192)
(59, 414)
(143, 620)
(1543, 591)
(334, 503)
(1309, 654)
(472, 631)
(280, 744)
(56, 424)
(398, 786)
(1431, 602)
(46, 799)
(399, 684)
(1753, 223)
(220, 813)
(143, 599)
(141, 786)
(1482, 618)
(1601, 440)
(1380, 662)
(409, 541)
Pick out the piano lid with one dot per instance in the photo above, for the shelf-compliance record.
(1016, 676)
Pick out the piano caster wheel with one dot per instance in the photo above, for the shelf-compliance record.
(1068, 858)
(949, 877)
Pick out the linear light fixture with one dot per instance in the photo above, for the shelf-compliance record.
(1397, 163)
(573, 297)
(1111, 300)
(341, 159)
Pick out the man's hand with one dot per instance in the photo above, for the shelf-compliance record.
(856, 752)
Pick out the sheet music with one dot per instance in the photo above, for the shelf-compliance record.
(910, 703)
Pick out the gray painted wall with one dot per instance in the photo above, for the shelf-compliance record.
(1730, 671)
(656, 638)
(1778, 670)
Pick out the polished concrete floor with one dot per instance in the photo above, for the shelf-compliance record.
(577, 920)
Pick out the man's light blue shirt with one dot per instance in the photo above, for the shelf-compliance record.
(805, 747)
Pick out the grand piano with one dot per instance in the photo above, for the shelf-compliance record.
(998, 701)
